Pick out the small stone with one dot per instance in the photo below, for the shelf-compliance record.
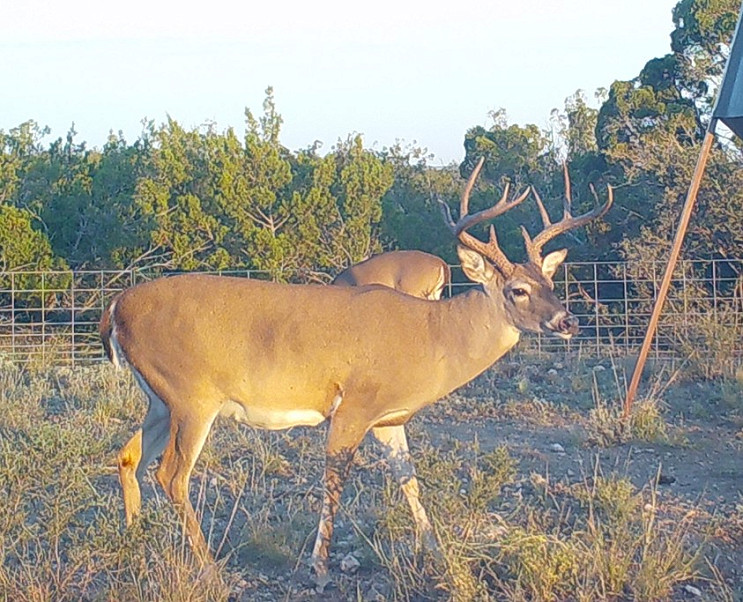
(558, 365)
(665, 479)
(570, 472)
(694, 591)
(350, 564)
(557, 448)
(551, 372)
(598, 368)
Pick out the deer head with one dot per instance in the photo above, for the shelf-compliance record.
(525, 289)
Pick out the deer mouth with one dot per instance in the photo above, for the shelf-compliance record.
(565, 336)
(564, 326)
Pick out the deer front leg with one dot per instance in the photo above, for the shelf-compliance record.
(394, 445)
(128, 462)
(343, 441)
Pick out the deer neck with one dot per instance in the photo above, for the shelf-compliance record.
(475, 333)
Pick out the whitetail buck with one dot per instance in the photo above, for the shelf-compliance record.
(412, 272)
(280, 355)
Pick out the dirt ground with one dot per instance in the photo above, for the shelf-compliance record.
(544, 412)
(696, 469)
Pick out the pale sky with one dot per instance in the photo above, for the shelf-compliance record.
(419, 72)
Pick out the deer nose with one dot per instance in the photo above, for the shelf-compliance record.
(568, 324)
(563, 324)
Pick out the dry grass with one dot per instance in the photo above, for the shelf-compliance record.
(503, 534)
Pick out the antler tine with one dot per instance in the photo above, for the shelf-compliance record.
(491, 250)
(567, 223)
(446, 212)
(457, 227)
(542, 211)
(503, 205)
(465, 200)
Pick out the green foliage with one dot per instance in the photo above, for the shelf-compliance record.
(175, 197)
(701, 39)
(22, 247)
(513, 153)
(191, 199)
(199, 198)
(580, 130)
(526, 156)
(514, 156)
(651, 128)
(362, 180)
(411, 213)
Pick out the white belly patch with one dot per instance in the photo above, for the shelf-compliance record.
(274, 420)
(389, 416)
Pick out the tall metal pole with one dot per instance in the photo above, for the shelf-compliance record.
(691, 198)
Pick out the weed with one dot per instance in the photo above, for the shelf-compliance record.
(62, 535)
(544, 566)
(707, 342)
(647, 422)
(488, 474)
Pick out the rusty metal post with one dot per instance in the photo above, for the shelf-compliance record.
(691, 198)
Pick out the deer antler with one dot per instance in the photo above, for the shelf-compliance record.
(489, 249)
(568, 222)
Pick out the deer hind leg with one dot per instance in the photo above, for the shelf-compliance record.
(394, 445)
(187, 437)
(343, 441)
(139, 452)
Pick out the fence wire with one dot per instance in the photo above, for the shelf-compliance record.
(53, 316)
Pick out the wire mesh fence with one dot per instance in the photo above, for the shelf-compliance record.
(53, 316)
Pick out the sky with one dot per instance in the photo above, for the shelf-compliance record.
(410, 71)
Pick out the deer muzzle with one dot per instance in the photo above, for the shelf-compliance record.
(564, 325)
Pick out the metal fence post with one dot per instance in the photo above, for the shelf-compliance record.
(43, 316)
(12, 315)
(714, 288)
(596, 306)
(625, 295)
(72, 317)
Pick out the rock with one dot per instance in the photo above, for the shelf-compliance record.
(664, 479)
(350, 564)
(598, 368)
(694, 591)
(557, 448)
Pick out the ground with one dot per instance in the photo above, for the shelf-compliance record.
(537, 491)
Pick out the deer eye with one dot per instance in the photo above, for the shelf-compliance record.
(520, 292)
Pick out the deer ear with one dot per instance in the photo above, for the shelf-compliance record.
(474, 265)
(552, 261)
